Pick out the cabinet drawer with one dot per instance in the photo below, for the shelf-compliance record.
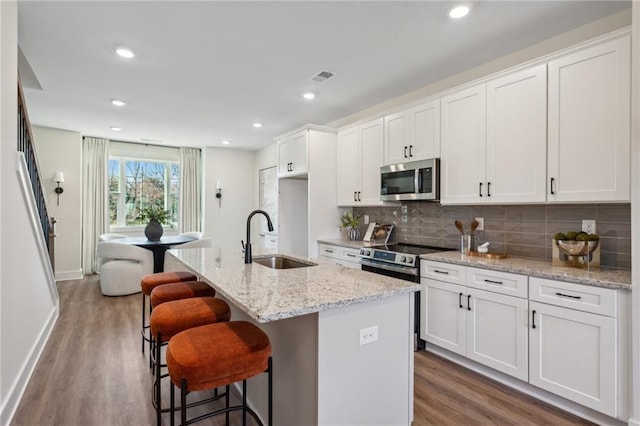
(329, 251)
(443, 271)
(585, 298)
(498, 282)
(350, 255)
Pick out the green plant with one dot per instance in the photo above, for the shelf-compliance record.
(349, 220)
(155, 212)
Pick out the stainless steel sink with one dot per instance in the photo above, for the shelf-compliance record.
(281, 262)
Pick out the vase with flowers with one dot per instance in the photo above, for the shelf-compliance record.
(157, 216)
(351, 222)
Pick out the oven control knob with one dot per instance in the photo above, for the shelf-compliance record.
(410, 260)
(403, 259)
(366, 253)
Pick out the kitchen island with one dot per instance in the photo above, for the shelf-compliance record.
(315, 317)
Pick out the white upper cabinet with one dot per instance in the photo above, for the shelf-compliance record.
(494, 140)
(292, 155)
(359, 162)
(517, 137)
(462, 167)
(413, 134)
(589, 124)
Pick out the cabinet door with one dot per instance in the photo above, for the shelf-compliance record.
(442, 314)
(497, 333)
(285, 154)
(299, 156)
(517, 137)
(371, 139)
(589, 124)
(348, 167)
(463, 126)
(573, 354)
(396, 138)
(424, 141)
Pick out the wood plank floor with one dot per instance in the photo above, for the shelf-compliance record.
(93, 373)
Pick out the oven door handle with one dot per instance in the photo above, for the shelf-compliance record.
(400, 269)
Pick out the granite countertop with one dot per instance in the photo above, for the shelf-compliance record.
(267, 294)
(599, 277)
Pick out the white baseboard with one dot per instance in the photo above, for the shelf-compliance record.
(13, 397)
(69, 275)
(634, 423)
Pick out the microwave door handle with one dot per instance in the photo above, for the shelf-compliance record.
(418, 181)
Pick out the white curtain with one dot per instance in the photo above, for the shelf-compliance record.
(190, 190)
(95, 202)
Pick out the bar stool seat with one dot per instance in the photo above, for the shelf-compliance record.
(220, 354)
(151, 281)
(172, 317)
(181, 290)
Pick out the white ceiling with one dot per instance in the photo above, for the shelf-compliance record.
(205, 71)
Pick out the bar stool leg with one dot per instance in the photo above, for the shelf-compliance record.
(143, 322)
(270, 374)
(183, 401)
(173, 404)
(226, 399)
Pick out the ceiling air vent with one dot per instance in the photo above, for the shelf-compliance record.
(322, 76)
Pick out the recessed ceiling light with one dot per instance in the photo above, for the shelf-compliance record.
(118, 102)
(124, 52)
(116, 128)
(225, 142)
(309, 96)
(459, 12)
(257, 125)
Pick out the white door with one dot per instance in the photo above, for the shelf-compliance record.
(424, 142)
(396, 138)
(348, 167)
(517, 137)
(443, 309)
(589, 124)
(285, 155)
(573, 354)
(497, 332)
(371, 146)
(299, 157)
(463, 127)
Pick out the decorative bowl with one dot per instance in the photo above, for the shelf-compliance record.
(577, 248)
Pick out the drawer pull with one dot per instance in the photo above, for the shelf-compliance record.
(328, 251)
(568, 295)
(468, 302)
(460, 300)
(493, 282)
(350, 254)
(440, 272)
(533, 319)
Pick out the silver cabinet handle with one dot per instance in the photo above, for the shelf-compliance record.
(440, 272)
(493, 282)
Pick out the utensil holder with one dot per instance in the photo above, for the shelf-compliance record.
(467, 243)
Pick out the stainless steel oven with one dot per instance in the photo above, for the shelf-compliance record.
(400, 261)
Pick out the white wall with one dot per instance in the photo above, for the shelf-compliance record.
(227, 224)
(264, 158)
(50, 143)
(28, 307)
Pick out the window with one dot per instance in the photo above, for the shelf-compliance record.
(135, 185)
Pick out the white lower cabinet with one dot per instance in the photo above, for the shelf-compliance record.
(485, 326)
(565, 338)
(343, 256)
(573, 351)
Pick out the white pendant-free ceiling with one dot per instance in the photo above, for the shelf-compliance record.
(204, 72)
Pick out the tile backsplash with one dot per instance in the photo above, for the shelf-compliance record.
(519, 230)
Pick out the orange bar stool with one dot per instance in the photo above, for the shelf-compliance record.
(215, 355)
(151, 281)
(170, 318)
(176, 291)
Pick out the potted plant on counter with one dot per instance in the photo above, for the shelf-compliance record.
(351, 222)
(157, 216)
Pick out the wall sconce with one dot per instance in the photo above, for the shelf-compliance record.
(58, 177)
(219, 193)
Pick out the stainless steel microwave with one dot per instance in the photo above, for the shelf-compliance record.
(416, 180)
